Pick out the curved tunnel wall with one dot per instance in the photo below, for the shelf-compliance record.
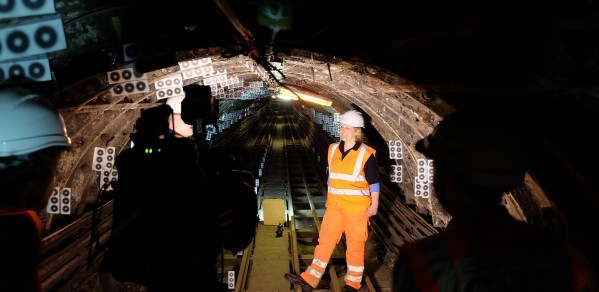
(398, 110)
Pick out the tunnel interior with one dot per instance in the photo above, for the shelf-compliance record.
(405, 67)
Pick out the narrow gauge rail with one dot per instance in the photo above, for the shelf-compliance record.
(287, 155)
(291, 174)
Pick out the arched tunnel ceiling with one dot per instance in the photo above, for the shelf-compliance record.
(463, 47)
(405, 63)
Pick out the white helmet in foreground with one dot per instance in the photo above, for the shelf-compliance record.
(28, 122)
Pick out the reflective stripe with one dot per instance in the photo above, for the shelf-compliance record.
(357, 269)
(349, 192)
(314, 273)
(347, 177)
(334, 147)
(353, 278)
(358, 164)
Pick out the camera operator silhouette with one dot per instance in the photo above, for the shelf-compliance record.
(163, 205)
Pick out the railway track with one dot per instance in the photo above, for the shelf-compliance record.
(289, 179)
(286, 153)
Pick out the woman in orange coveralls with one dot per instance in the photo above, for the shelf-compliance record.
(353, 196)
(32, 138)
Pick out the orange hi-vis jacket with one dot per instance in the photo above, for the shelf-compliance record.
(19, 249)
(346, 176)
(492, 252)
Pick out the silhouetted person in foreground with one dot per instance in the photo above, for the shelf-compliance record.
(165, 232)
(32, 139)
(478, 157)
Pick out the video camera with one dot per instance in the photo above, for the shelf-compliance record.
(152, 124)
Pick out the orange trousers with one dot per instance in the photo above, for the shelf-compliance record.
(344, 214)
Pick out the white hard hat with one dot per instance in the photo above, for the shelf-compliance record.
(352, 118)
(28, 122)
(483, 148)
(175, 103)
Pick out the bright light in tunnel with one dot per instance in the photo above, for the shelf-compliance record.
(287, 96)
(305, 97)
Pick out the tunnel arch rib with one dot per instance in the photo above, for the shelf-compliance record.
(398, 109)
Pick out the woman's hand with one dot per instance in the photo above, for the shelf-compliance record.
(372, 209)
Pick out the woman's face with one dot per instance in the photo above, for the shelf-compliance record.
(348, 133)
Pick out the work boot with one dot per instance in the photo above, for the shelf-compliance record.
(348, 288)
(294, 279)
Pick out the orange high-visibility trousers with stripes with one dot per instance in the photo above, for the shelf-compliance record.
(344, 214)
